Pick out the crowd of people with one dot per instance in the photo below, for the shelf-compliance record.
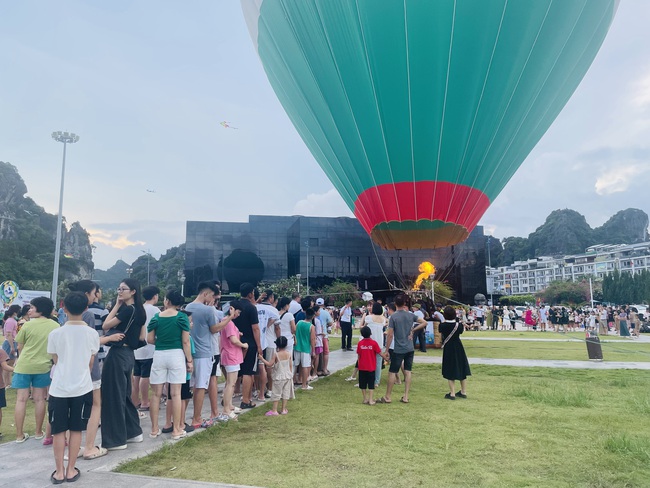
(621, 320)
(93, 369)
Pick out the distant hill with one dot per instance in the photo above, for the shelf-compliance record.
(27, 238)
(567, 232)
(110, 279)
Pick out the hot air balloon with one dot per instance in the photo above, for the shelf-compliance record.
(420, 111)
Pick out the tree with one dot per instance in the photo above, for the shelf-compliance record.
(441, 289)
(338, 292)
(515, 249)
(281, 288)
(566, 293)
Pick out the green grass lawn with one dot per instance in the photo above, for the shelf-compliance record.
(530, 334)
(520, 427)
(7, 428)
(576, 351)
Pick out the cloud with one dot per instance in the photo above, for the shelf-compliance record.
(117, 241)
(641, 97)
(619, 179)
(328, 204)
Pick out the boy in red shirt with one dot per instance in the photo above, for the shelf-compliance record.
(367, 351)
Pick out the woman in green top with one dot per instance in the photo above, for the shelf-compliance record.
(33, 365)
(172, 360)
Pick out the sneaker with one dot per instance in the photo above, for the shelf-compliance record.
(356, 385)
(137, 438)
(449, 397)
(237, 410)
(308, 387)
(461, 395)
(267, 395)
(350, 378)
(271, 413)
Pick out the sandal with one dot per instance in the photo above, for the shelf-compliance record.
(383, 400)
(101, 451)
(75, 477)
(404, 401)
(153, 435)
(55, 481)
(179, 436)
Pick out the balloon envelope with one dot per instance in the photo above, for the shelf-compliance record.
(420, 111)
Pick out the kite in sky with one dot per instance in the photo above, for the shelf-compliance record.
(151, 191)
(227, 125)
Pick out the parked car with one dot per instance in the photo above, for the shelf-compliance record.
(642, 310)
(519, 310)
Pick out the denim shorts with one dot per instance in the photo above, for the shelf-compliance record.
(23, 381)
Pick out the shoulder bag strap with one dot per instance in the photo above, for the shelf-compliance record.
(128, 326)
(450, 335)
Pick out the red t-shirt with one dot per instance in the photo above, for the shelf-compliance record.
(367, 350)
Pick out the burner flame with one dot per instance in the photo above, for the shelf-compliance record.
(426, 269)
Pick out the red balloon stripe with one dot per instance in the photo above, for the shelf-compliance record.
(408, 201)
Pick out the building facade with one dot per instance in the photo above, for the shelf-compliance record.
(321, 249)
(534, 275)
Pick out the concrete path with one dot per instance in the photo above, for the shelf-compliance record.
(30, 464)
(542, 363)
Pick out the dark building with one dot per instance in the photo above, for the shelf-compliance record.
(270, 248)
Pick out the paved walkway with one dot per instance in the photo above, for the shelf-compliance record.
(30, 464)
(543, 363)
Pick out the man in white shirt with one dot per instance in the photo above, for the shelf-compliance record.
(419, 336)
(326, 320)
(294, 306)
(144, 355)
(269, 324)
(346, 325)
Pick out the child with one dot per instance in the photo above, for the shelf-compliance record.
(282, 374)
(73, 348)
(4, 366)
(367, 350)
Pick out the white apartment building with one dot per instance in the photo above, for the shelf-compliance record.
(534, 275)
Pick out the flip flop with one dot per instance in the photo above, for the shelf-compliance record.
(403, 401)
(101, 451)
(75, 477)
(55, 481)
(383, 400)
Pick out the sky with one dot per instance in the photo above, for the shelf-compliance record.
(145, 84)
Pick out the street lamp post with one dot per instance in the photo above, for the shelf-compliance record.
(298, 276)
(148, 253)
(66, 138)
(490, 271)
(181, 278)
(307, 245)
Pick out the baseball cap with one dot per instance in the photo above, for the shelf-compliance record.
(320, 301)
